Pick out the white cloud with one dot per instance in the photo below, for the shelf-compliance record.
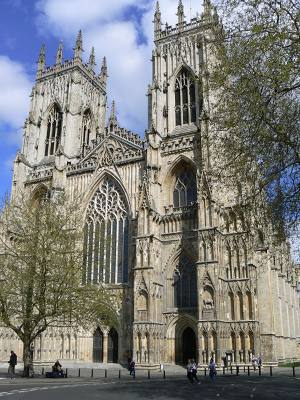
(15, 86)
(112, 30)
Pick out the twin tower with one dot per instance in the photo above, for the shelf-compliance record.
(197, 280)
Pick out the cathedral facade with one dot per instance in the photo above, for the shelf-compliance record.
(197, 281)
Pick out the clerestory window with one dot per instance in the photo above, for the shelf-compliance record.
(54, 128)
(106, 236)
(185, 99)
(185, 191)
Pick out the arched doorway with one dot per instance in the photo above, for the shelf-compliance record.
(113, 346)
(98, 346)
(189, 347)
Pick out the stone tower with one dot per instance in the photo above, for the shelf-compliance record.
(196, 279)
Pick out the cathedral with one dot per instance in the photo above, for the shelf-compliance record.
(197, 279)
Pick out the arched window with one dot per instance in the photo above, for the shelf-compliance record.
(54, 128)
(185, 99)
(185, 191)
(86, 128)
(185, 284)
(106, 236)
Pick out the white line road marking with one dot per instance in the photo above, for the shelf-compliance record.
(34, 389)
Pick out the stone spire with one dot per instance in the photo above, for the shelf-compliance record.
(59, 54)
(157, 20)
(92, 60)
(180, 15)
(103, 72)
(207, 9)
(41, 60)
(113, 122)
(78, 47)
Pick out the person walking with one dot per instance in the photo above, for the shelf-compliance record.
(194, 371)
(132, 369)
(13, 359)
(189, 371)
(212, 370)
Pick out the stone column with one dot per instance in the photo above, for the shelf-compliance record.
(218, 349)
(105, 347)
(199, 345)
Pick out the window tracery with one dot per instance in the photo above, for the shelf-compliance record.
(185, 284)
(185, 99)
(86, 129)
(185, 192)
(106, 236)
(54, 128)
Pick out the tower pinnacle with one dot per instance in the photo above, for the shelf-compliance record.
(78, 47)
(92, 60)
(41, 60)
(59, 54)
(103, 72)
(113, 122)
(157, 20)
(180, 15)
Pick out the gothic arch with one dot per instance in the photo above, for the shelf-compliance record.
(40, 192)
(106, 234)
(180, 164)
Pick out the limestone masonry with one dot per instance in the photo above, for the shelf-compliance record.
(198, 282)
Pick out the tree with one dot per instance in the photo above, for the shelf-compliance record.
(41, 271)
(257, 76)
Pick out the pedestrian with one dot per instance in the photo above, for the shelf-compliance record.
(189, 371)
(212, 370)
(194, 371)
(13, 359)
(259, 360)
(254, 363)
(132, 369)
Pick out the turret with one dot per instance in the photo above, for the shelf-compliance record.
(59, 54)
(103, 72)
(78, 47)
(92, 60)
(113, 122)
(180, 15)
(41, 60)
(157, 21)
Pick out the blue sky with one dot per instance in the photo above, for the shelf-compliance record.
(121, 30)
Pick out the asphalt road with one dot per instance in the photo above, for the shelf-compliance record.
(225, 387)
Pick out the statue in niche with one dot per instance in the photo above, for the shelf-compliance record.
(208, 298)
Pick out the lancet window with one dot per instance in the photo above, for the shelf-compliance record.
(185, 99)
(54, 128)
(185, 284)
(86, 128)
(106, 236)
(185, 191)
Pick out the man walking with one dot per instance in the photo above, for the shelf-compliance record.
(12, 364)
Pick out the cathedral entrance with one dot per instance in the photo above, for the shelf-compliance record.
(113, 346)
(98, 346)
(189, 347)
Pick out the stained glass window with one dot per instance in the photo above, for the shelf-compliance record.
(106, 236)
(54, 127)
(185, 99)
(185, 284)
(185, 192)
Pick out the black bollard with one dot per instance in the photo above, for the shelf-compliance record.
(294, 372)
(148, 373)
(66, 373)
(248, 370)
(164, 374)
(79, 373)
(105, 373)
(43, 371)
(259, 370)
(223, 370)
(237, 370)
(204, 371)
(244, 368)
(231, 369)
(119, 374)
(271, 372)
(92, 373)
